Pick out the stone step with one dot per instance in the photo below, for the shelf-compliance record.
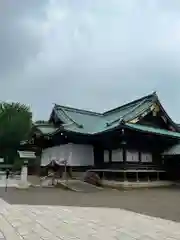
(80, 186)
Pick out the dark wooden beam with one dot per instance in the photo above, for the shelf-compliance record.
(110, 156)
(140, 159)
(124, 154)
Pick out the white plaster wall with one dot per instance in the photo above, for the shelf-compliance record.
(146, 157)
(75, 154)
(117, 155)
(106, 156)
(132, 156)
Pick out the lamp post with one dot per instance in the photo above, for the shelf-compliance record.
(25, 156)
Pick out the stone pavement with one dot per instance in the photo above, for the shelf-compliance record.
(66, 223)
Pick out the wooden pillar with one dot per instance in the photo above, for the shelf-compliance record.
(125, 176)
(148, 177)
(157, 176)
(123, 146)
(124, 154)
(140, 158)
(110, 156)
(103, 176)
(137, 177)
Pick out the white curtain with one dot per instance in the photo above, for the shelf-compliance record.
(146, 157)
(57, 154)
(74, 154)
(132, 156)
(117, 155)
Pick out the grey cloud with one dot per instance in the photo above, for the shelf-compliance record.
(18, 41)
(90, 54)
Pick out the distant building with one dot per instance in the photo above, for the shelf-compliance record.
(139, 135)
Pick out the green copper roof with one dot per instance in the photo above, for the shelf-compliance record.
(88, 122)
(45, 128)
(73, 128)
(79, 120)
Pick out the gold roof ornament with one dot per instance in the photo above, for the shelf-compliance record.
(155, 109)
(135, 120)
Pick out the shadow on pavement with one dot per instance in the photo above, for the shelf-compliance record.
(162, 202)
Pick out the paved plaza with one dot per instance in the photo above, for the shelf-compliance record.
(62, 221)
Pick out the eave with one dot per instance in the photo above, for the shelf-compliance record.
(151, 130)
(69, 121)
(168, 117)
(155, 103)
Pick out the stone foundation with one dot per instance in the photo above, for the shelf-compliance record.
(130, 185)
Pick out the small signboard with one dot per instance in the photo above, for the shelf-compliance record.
(1, 160)
(27, 154)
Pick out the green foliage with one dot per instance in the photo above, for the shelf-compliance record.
(15, 124)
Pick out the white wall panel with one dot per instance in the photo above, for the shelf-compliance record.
(74, 154)
(132, 156)
(117, 155)
(106, 156)
(146, 157)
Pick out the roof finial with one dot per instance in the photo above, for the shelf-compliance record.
(55, 105)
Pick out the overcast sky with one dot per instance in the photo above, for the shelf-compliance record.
(93, 54)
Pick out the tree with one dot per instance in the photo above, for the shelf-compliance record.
(15, 126)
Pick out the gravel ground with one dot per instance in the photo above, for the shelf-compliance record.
(159, 202)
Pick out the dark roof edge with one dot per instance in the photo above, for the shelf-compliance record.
(132, 102)
(146, 131)
(120, 126)
(77, 110)
(102, 113)
(167, 115)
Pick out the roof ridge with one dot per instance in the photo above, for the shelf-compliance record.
(109, 123)
(90, 112)
(130, 103)
(134, 108)
(170, 119)
(79, 110)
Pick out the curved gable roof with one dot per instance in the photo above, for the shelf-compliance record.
(89, 122)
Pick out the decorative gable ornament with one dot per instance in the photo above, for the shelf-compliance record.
(144, 113)
(135, 120)
(155, 109)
